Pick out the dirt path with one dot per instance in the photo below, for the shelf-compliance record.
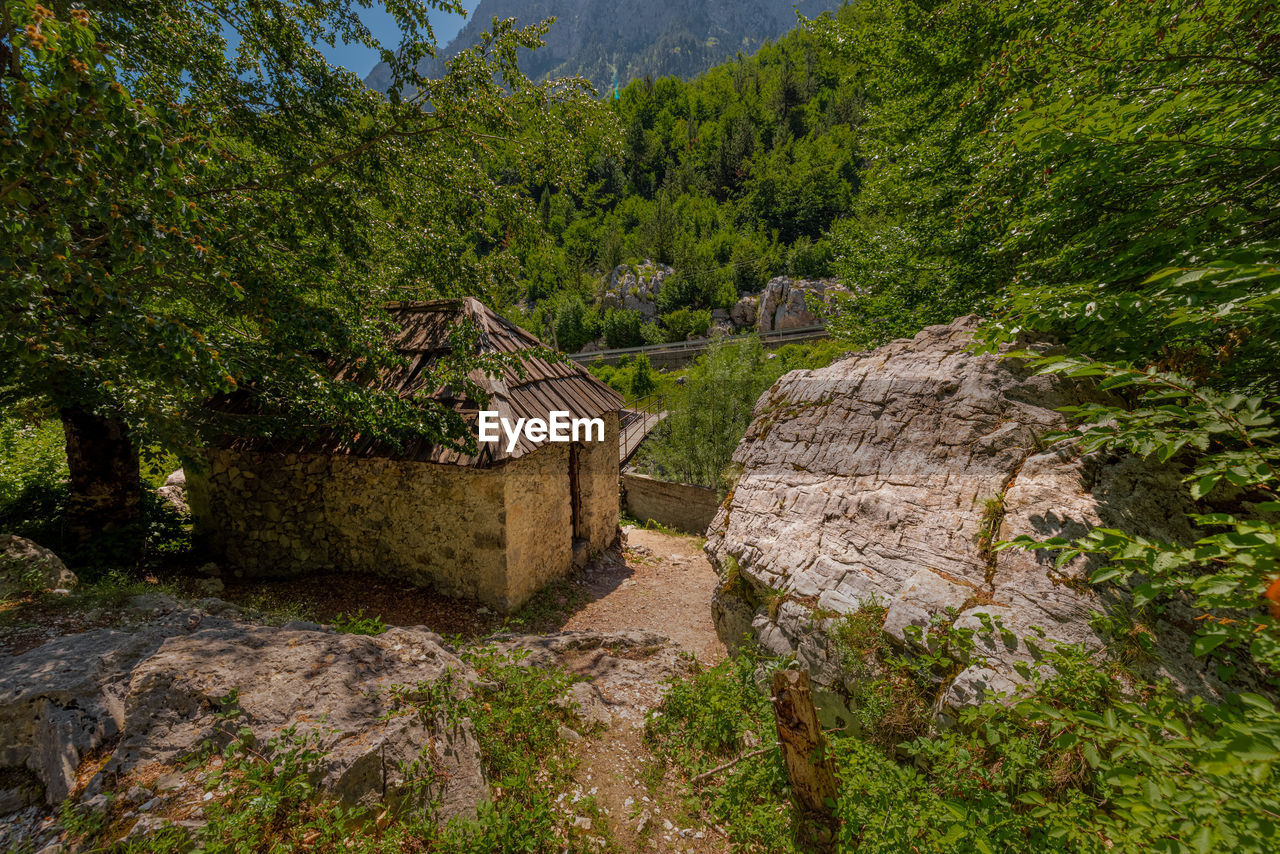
(664, 587)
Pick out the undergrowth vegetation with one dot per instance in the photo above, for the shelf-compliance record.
(34, 489)
(1093, 760)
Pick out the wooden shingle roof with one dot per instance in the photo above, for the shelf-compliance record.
(423, 337)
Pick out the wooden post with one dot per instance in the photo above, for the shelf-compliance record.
(807, 758)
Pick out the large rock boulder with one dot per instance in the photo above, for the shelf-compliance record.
(786, 303)
(636, 287)
(161, 692)
(26, 567)
(174, 492)
(65, 699)
(884, 479)
(744, 313)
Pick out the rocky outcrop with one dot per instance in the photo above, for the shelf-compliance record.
(26, 567)
(786, 303)
(721, 324)
(744, 313)
(884, 479)
(65, 699)
(341, 688)
(625, 671)
(174, 492)
(636, 287)
(157, 693)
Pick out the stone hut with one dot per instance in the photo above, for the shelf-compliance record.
(495, 526)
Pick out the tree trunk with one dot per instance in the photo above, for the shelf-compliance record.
(807, 759)
(104, 512)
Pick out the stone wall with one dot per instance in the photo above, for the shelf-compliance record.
(539, 521)
(297, 514)
(676, 505)
(598, 488)
(496, 535)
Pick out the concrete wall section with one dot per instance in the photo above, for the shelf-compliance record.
(676, 505)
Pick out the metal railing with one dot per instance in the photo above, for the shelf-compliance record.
(651, 409)
(699, 344)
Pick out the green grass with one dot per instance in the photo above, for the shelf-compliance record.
(548, 609)
(359, 624)
(651, 525)
(111, 590)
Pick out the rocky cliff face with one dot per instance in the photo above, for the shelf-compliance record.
(785, 303)
(636, 287)
(883, 479)
(637, 37)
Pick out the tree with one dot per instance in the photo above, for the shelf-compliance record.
(1112, 175)
(708, 418)
(573, 325)
(182, 221)
(642, 381)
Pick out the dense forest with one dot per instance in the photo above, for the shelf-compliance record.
(181, 223)
(731, 178)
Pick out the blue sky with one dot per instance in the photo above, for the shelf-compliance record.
(361, 60)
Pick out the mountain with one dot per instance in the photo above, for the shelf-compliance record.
(637, 37)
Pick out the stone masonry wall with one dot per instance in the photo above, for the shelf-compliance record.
(538, 524)
(676, 505)
(598, 487)
(281, 515)
(496, 535)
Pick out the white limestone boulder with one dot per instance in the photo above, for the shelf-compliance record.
(872, 481)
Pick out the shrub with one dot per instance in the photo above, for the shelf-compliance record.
(709, 415)
(359, 624)
(642, 381)
(621, 328)
(1079, 766)
(33, 478)
(685, 323)
(708, 719)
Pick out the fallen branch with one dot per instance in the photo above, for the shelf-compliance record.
(732, 762)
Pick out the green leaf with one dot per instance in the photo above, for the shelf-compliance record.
(1204, 485)
(1090, 753)
(1107, 573)
(1205, 644)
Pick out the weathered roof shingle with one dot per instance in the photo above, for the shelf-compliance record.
(423, 337)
